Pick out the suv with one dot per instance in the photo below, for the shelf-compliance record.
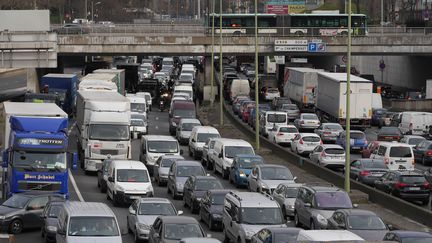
(316, 203)
(246, 213)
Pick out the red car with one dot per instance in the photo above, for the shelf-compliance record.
(246, 112)
(372, 146)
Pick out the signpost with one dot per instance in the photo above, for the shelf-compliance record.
(316, 47)
(299, 45)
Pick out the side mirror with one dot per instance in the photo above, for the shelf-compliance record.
(193, 140)
(220, 155)
(61, 231)
(131, 210)
(253, 176)
(181, 151)
(110, 179)
(5, 158)
(74, 160)
(307, 205)
(180, 212)
(295, 178)
(390, 227)
(205, 146)
(156, 235)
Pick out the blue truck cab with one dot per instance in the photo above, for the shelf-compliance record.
(35, 156)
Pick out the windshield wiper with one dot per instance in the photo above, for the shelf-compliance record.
(56, 168)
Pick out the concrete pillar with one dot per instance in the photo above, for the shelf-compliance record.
(32, 80)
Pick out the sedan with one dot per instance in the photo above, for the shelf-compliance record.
(143, 212)
(49, 216)
(357, 140)
(285, 194)
(266, 177)
(271, 93)
(307, 121)
(329, 131)
(367, 171)
(71, 29)
(389, 134)
(305, 143)
(423, 152)
(329, 155)
(363, 223)
(170, 229)
(276, 235)
(211, 208)
(195, 188)
(242, 167)
(283, 134)
(292, 110)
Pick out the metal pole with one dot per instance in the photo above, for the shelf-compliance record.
(221, 123)
(92, 10)
(382, 13)
(199, 9)
(86, 9)
(348, 110)
(212, 58)
(257, 140)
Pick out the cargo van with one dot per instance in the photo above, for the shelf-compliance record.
(239, 87)
(271, 118)
(87, 222)
(397, 156)
(154, 146)
(198, 138)
(188, 89)
(415, 122)
(138, 104)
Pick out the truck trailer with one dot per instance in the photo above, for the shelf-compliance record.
(301, 85)
(331, 99)
(65, 86)
(120, 78)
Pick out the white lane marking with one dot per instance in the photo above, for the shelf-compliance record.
(71, 128)
(72, 179)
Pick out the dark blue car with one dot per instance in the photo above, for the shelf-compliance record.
(376, 115)
(358, 140)
(241, 168)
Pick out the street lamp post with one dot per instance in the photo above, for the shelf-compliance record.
(212, 58)
(348, 110)
(257, 141)
(92, 10)
(221, 122)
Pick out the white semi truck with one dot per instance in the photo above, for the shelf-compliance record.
(301, 86)
(331, 99)
(103, 122)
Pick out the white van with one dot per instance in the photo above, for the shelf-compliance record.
(376, 101)
(397, 156)
(138, 104)
(147, 97)
(239, 87)
(128, 180)
(87, 222)
(224, 152)
(327, 236)
(184, 89)
(190, 70)
(271, 118)
(154, 146)
(415, 122)
(198, 137)
(97, 85)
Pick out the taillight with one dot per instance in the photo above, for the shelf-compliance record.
(400, 185)
(323, 154)
(365, 141)
(426, 185)
(429, 153)
(321, 142)
(365, 173)
(301, 141)
(97, 145)
(301, 122)
(386, 161)
(327, 132)
(279, 134)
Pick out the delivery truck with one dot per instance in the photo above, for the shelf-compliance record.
(331, 99)
(103, 121)
(65, 86)
(120, 78)
(301, 85)
(34, 144)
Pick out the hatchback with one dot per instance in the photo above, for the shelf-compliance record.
(266, 177)
(329, 155)
(195, 188)
(358, 140)
(179, 173)
(367, 171)
(291, 109)
(283, 134)
(329, 131)
(389, 134)
(49, 216)
(305, 143)
(412, 140)
(162, 166)
(241, 168)
(285, 194)
(211, 208)
(423, 152)
(170, 229)
(307, 121)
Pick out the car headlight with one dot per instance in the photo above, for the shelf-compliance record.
(51, 228)
(291, 206)
(2, 217)
(143, 226)
(179, 185)
(118, 188)
(321, 220)
(264, 186)
(216, 216)
(249, 234)
(242, 174)
(149, 188)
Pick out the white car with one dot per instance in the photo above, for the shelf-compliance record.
(412, 140)
(271, 93)
(305, 143)
(283, 134)
(307, 121)
(329, 155)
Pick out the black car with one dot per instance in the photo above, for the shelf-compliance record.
(402, 236)
(363, 223)
(389, 134)
(24, 210)
(194, 190)
(211, 207)
(428, 175)
(50, 221)
(408, 185)
(102, 175)
(367, 171)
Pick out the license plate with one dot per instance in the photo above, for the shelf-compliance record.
(355, 147)
(400, 161)
(134, 197)
(378, 174)
(310, 122)
(414, 188)
(310, 144)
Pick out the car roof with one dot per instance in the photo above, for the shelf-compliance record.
(187, 163)
(283, 229)
(171, 156)
(32, 194)
(207, 129)
(128, 164)
(309, 134)
(190, 120)
(271, 165)
(159, 138)
(233, 141)
(154, 200)
(390, 144)
(408, 173)
(285, 125)
(413, 136)
(322, 187)
(405, 233)
(199, 240)
(253, 199)
(76, 208)
(219, 191)
(290, 184)
(248, 156)
(356, 212)
(178, 219)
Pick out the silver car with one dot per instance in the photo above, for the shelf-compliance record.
(184, 129)
(162, 166)
(266, 177)
(307, 121)
(291, 109)
(329, 131)
(285, 194)
(143, 212)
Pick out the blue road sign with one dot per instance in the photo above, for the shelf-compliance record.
(321, 47)
(312, 47)
(316, 47)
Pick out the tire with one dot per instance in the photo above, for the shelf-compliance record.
(225, 174)
(103, 189)
(185, 203)
(190, 152)
(16, 226)
(174, 194)
(116, 203)
(296, 220)
(128, 226)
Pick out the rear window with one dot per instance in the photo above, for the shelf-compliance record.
(310, 117)
(404, 152)
(415, 141)
(357, 135)
(333, 127)
(375, 165)
(276, 118)
(334, 151)
(288, 129)
(413, 179)
(311, 139)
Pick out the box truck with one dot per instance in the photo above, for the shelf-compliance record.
(301, 86)
(65, 86)
(120, 78)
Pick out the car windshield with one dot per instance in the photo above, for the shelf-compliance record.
(54, 211)
(138, 107)
(332, 200)
(311, 139)
(186, 171)
(414, 179)
(207, 184)
(365, 222)
(189, 126)
(415, 141)
(156, 209)
(185, 113)
(249, 163)
(162, 146)
(279, 118)
(333, 127)
(276, 173)
(416, 240)
(32, 161)
(109, 132)
(180, 231)
(202, 137)
(217, 199)
(16, 201)
(334, 151)
(357, 135)
(404, 152)
(137, 122)
(291, 192)
(265, 216)
(131, 175)
(288, 129)
(374, 165)
(310, 117)
(290, 107)
(232, 151)
(93, 226)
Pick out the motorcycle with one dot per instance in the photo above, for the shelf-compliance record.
(162, 101)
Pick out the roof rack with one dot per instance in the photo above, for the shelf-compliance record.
(235, 195)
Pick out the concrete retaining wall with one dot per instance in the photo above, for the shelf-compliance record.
(411, 105)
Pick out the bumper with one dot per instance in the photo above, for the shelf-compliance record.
(333, 163)
(309, 126)
(198, 153)
(129, 198)
(414, 196)
(143, 234)
(242, 181)
(50, 235)
(163, 178)
(217, 222)
(4, 225)
(329, 138)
